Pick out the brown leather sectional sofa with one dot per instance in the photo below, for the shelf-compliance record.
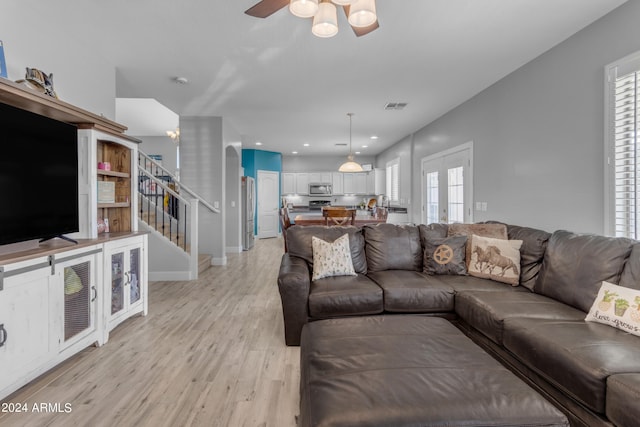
(537, 329)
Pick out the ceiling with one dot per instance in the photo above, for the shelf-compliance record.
(276, 83)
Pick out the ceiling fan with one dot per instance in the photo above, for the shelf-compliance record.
(361, 14)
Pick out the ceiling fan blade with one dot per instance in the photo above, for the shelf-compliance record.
(361, 31)
(265, 8)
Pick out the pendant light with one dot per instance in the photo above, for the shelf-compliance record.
(325, 22)
(362, 13)
(350, 165)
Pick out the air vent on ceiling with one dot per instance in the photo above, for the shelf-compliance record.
(395, 105)
(341, 145)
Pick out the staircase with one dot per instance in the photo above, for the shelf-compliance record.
(168, 210)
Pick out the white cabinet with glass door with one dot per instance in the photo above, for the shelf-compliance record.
(447, 186)
(76, 275)
(125, 280)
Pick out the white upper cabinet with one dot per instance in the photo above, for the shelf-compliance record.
(288, 183)
(302, 183)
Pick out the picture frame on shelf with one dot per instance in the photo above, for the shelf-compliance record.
(367, 167)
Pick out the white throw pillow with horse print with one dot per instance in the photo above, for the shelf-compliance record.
(495, 259)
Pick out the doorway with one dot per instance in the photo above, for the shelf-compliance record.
(447, 186)
(268, 192)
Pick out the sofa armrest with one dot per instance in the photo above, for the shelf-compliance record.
(294, 283)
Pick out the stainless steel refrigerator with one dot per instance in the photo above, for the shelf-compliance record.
(248, 211)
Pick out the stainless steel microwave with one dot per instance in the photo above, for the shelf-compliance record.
(320, 189)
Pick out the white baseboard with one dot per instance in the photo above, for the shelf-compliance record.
(169, 276)
(233, 249)
(219, 261)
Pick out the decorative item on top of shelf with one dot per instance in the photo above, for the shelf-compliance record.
(104, 166)
(38, 80)
(3, 64)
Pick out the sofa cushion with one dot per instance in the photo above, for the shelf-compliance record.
(575, 265)
(496, 231)
(392, 247)
(630, 277)
(344, 296)
(413, 292)
(299, 242)
(577, 357)
(331, 259)
(623, 395)
(486, 311)
(617, 306)
(495, 259)
(445, 255)
(470, 283)
(432, 231)
(534, 245)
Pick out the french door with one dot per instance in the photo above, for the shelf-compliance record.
(447, 191)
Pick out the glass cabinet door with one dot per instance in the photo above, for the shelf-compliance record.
(117, 282)
(134, 275)
(77, 310)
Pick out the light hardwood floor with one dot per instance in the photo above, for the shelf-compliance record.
(210, 352)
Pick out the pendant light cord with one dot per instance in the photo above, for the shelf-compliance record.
(350, 132)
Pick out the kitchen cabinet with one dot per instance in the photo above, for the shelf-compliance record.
(338, 183)
(302, 184)
(320, 177)
(288, 183)
(376, 183)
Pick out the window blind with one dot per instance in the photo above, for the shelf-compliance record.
(626, 121)
(393, 184)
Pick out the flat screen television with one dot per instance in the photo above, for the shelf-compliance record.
(38, 176)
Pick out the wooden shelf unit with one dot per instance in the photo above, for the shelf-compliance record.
(119, 156)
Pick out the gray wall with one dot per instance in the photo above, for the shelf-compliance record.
(202, 170)
(537, 133)
(161, 145)
(81, 76)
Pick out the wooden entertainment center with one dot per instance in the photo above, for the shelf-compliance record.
(61, 297)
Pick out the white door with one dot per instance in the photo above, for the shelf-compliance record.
(268, 202)
(447, 186)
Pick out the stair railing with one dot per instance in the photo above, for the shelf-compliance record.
(147, 163)
(173, 205)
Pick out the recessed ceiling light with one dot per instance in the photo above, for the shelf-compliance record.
(364, 146)
(357, 152)
(306, 144)
(294, 152)
(374, 136)
(181, 80)
(258, 143)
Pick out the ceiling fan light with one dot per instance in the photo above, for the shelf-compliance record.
(303, 8)
(325, 22)
(362, 13)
